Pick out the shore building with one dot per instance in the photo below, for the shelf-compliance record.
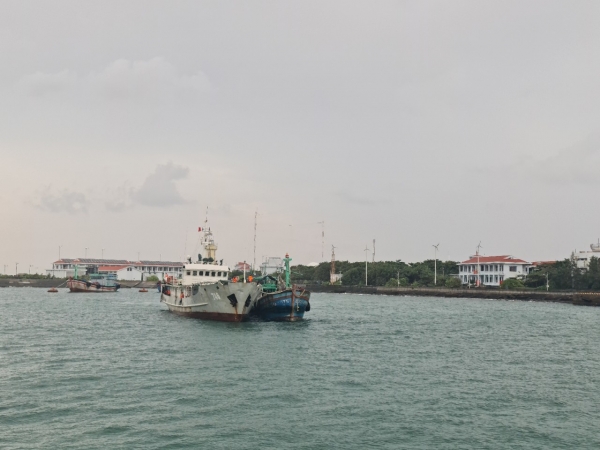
(122, 268)
(582, 258)
(491, 270)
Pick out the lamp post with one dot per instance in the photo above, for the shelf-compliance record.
(435, 264)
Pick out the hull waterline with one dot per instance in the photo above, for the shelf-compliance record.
(288, 305)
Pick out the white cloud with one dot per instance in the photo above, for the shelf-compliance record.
(65, 201)
(154, 78)
(40, 84)
(146, 79)
(577, 164)
(159, 188)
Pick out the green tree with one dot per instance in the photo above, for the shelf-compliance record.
(453, 283)
(512, 283)
(353, 277)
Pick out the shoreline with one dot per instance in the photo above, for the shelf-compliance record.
(574, 298)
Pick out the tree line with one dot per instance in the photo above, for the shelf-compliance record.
(381, 273)
(560, 275)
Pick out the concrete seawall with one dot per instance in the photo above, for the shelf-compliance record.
(48, 283)
(575, 298)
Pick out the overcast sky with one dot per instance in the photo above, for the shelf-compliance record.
(408, 122)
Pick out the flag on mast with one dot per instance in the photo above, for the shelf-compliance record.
(199, 229)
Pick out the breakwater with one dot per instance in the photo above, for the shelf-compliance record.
(575, 298)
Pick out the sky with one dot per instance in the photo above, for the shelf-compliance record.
(409, 122)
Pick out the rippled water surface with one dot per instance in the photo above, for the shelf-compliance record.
(118, 371)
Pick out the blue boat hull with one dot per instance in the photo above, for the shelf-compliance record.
(284, 305)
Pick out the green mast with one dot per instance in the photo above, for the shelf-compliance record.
(287, 260)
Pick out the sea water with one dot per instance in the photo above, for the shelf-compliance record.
(99, 371)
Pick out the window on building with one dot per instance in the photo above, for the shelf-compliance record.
(496, 278)
(512, 268)
(195, 272)
(188, 273)
(212, 274)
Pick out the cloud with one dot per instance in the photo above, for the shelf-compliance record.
(65, 201)
(356, 199)
(159, 188)
(575, 165)
(152, 78)
(39, 84)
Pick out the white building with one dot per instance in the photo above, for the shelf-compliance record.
(127, 273)
(125, 270)
(583, 258)
(491, 270)
(271, 265)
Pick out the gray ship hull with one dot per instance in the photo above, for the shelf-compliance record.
(222, 301)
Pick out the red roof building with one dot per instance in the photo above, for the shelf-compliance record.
(491, 270)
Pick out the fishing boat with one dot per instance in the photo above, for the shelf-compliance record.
(281, 300)
(205, 291)
(96, 283)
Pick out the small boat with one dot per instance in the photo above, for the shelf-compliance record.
(53, 290)
(281, 300)
(143, 290)
(96, 283)
(205, 291)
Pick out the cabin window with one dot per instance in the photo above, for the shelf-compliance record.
(213, 274)
(195, 272)
(188, 273)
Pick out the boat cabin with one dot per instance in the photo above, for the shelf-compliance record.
(204, 273)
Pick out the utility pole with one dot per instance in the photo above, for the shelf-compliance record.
(374, 266)
(255, 223)
(102, 253)
(366, 260)
(435, 264)
(478, 247)
(30, 266)
(322, 223)
(16, 269)
(332, 272)
(86, 249)
(59, 252)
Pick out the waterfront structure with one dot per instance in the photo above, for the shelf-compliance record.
(243, 267)
(124, 269)
(582, 258)
(491, 270)
(271, 265)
